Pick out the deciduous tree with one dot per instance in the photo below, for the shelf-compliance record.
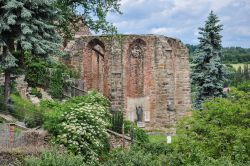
(94, 13)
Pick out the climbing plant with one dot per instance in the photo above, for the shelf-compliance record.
(48, 74)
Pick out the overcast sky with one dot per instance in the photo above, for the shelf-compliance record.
(181, 19)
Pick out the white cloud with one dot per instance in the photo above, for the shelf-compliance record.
(181, 18)
(166, 31)
(241, 31)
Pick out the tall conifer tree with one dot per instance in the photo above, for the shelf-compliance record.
(209, 74)
(25, 25)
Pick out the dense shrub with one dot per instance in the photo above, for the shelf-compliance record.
(80, 124)
(51, 75)
(137, 134)
(36, 72)
(216, 136)
(130, 158)
(83, 130)
(244, 86)
(221, 130)
(25, 111)
(55, 158)
(117, 121)
(55, 109)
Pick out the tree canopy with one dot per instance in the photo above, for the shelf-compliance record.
(231, 55)
(93, 12)
(26, 25)
(209, 74)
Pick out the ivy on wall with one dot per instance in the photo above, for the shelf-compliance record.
(48, 74)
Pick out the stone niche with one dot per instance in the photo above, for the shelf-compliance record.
(145, 76)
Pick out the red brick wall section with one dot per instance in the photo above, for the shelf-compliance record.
(95, 67)
(135, 68)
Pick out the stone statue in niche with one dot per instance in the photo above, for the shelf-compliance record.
(137, 51)
(139, 113)
(170, 106)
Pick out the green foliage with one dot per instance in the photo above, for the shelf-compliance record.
(130, 128)
(93, 12)
(35, 92)
(208, 74)
(83, 130)
(1, 97)
(25, 111)
(131, 158)
(219, 131)
(30, 24)
(244, 86)
(217, 135)
(55, 158)
(36, 73)
(231, 55)
(80, 124)
(136, 133)
(117, 121)
(26, 26)
(240, 78)
(236, 55)
(50, 75)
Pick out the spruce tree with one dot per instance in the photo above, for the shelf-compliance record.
(25, 25)
(208, 73)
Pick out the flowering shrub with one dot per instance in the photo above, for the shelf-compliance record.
(80, 124)
(83, 129)
(55, 110)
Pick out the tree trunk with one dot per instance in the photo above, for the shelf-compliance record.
(7, 73)
(6, 89)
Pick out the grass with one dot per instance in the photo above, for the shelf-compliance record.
(237, 65)
(157, 138)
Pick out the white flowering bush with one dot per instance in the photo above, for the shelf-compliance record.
(80, 125)
(84, 129)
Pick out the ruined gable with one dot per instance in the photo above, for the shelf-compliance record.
(142, 75)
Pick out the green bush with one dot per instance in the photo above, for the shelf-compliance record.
(51, 75)
(218, 135)
(221, 130)
(132, 158)
(136, 133)
(244, 86)
(55, 109)
(36, 71)
(117, 121)
(55, 158)
(35, 92)
(25, 111)
(80, 124)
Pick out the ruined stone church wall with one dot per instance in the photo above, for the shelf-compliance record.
(145, 71)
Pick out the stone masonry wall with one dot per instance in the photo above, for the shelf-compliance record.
(146, 71)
